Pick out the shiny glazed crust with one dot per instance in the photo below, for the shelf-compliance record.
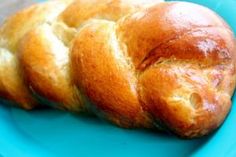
(135, 63)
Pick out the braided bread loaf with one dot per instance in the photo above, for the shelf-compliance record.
(135, 63)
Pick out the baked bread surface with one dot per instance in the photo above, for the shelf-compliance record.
(135, 63)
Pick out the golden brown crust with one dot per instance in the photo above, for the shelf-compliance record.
(12, 85)
(45, 67)
(149, 31)
(44, 50)
(82, 10)
(20, 23)
(113, 88)
(193, 101)
(182, 59)
(136, 63)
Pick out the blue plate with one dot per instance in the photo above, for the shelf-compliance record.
(49, 133)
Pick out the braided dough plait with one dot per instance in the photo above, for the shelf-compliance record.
(61, 19)
(137, 64)
(12, 85)
(174, 60)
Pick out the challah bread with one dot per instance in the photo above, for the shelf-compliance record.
(137, 64)
(175, 60)
(12, 85)
(59, 17)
